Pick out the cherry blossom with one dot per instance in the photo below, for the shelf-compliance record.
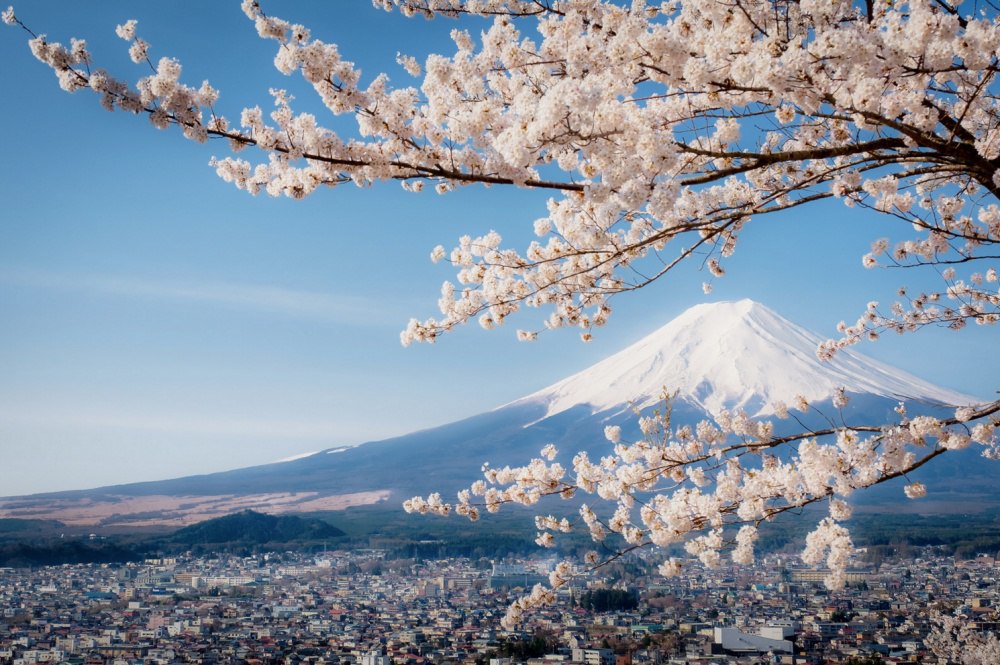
(957, 640)
(711, 487)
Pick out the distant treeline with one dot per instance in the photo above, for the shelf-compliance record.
(54, 553)
(402, 536)
(962, 536)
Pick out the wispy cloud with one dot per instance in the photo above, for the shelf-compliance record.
(95, 419)
(249, 297)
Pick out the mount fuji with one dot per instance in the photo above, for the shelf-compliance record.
(731, 355)
(717, 356)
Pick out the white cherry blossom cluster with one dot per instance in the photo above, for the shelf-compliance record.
(956, 639)
(711, 486)
(976, 300)
(829, 543)
(431, 8)
(662, 129)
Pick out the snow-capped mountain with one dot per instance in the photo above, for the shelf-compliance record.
(715, 356)
(729, 355)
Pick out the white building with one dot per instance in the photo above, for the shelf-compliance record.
(734, 641)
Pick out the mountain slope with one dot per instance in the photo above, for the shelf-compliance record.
(723, 355)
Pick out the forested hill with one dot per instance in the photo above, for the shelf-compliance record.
(253, 528)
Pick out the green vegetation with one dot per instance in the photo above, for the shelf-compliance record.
(240, 533)
(250, 528)
(57, 552)
(963, 536)
(960, 535)
(410, 536)
(10, 525)
(609, 600)
(541, 643)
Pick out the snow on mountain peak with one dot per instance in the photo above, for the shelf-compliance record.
(727, 355)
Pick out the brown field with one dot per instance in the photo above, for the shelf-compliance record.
(176, 511)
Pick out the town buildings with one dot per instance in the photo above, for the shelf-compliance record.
(360, 609)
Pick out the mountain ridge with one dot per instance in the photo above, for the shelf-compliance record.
(736, 354)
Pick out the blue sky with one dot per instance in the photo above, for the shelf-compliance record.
(156, 322)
